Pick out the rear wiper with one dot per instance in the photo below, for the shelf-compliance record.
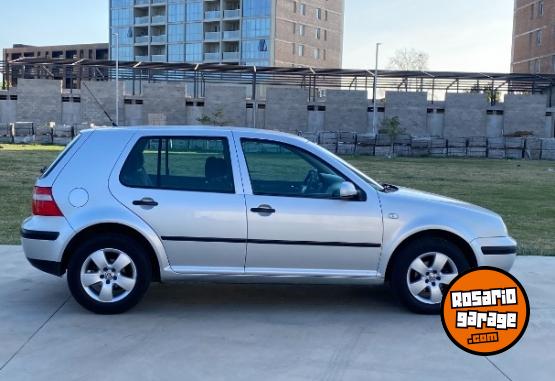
(389, 188)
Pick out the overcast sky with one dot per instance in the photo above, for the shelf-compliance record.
(458, 35)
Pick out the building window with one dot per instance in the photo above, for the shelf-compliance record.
(535, 66)
(194, 11)
(257, 8)
(316, 54)
(193, 52)
(301, 30)
(540, 8)
(300, 50)
(318, 33)
(176, 33)
(176, 12)
(176, 52)
(539, 38)
(302, 9)
(193, 32)
(319, 13)
(326, 15)
(553, 63)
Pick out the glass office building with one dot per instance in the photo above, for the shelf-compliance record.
(208, 31)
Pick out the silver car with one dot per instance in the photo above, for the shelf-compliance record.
(121, 207)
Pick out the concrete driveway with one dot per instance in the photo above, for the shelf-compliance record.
(251, 332)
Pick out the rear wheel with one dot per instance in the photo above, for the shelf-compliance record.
(109, 274)
(423, 270)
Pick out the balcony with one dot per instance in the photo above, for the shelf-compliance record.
(232, 13)
(142, 2)
(158, 58)
(141, 39)
(212, 36)
(161, 2)
(212, 15)
(160, 19)
(160, 39)
(141, 20)
(232, 35)
(231, 55)
(142, 58)
(212, 56)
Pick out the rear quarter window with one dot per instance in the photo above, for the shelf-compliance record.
(69, 148)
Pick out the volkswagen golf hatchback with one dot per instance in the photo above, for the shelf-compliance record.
(121, 207)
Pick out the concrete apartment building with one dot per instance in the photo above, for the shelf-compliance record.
(247, 32)
(534, 37)
(89, 51)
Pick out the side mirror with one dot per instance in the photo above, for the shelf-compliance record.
(347, 191)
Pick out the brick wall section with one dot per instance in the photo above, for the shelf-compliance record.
(286, 109)
(39, 101)
(411, 109)
(346, 111)
(465, 115)
(525, 113)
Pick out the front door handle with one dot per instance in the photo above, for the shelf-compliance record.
(147, 201)
(264, 209)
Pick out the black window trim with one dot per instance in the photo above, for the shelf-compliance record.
(227, 154)
(362, 194)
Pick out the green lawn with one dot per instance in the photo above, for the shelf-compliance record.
(523, 192)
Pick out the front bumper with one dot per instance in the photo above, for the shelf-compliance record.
(499, 252)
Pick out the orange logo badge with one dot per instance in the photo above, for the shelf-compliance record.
(485, 311)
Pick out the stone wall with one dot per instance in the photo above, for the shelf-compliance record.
(411, 109)
(98, 101)
(525, 113)
(286, 108)
(346, 111)
(230, 100)
(164, 101)
(465, 115)
(39, 101)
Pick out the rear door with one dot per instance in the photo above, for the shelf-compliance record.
(188, 189)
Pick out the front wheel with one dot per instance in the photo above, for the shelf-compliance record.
(423, 270)
(109, 274)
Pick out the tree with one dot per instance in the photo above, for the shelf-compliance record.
(407, 60)
(392, 128)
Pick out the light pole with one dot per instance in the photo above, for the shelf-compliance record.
(375, 113)
(117, 78)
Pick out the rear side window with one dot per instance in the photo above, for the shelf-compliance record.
(60, 157)
(184, 163)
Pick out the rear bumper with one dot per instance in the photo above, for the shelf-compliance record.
(499, 252)
(44, 240)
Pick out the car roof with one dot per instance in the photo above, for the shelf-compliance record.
(177, 129)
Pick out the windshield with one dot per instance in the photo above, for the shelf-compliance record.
(360, 174)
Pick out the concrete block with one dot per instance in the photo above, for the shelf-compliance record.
(497, 153)
(43, 135)
(328, 138)
(382, 151)
(525, 113)
(347, 137)
(366, 140)
(438, 152)
(403, 139)
(367, 150)
(478, 141)
(465, 115)
(548, 149)
(533, 148)
(456, 143)
(311, 136)
(514, 153)
(383, 140)
(345, 148)
(63, 131)
(496, 143)
(330, 147)
(421, 147)
(456, 152)
(61, 141)
(477, 152)
(286, 108)
(164, 104)
(346, 111)
(402, 150)
(514, 143)
(23, 129)
(410, 108)
(39, 100)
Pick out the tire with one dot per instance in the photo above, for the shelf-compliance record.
(418, 266)
(109, 274)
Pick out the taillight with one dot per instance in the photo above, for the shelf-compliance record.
(44, 203)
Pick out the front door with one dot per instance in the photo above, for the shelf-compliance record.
(297, 224)
(187, 190)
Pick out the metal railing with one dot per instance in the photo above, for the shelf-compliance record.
(212, 36)
(159, 39)
(231, 55)
(160, 19)
(142, 20)
(211, 15)
(142, 39)
(212, 56)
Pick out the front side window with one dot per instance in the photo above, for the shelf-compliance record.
(278, 169)
(187, 164)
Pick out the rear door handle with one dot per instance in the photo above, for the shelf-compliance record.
(264, 209)
(147, 201)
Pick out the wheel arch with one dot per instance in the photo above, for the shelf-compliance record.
(103, 228)
(465, 247)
